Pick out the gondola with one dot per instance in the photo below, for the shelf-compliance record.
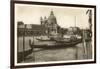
(56, 43)
(44, 39)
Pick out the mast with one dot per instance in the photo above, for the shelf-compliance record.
(75, 21)
(75, 26)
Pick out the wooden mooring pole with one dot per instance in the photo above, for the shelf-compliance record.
(24, 43)
(84, 44)
(33, 50)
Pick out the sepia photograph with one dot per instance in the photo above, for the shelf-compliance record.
(46, 33)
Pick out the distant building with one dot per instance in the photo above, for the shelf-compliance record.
(31, 30)
(73, 30)
(20, 28)
(38, 30)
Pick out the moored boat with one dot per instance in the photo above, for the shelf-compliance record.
(57, 42)
(45, 39)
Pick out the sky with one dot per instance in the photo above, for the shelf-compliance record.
(65, 16)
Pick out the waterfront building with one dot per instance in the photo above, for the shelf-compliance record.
(48, 27)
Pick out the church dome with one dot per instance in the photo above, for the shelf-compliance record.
(52, 18)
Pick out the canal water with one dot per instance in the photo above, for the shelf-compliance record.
(54, 54)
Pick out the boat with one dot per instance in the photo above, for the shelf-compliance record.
(69, 40)
(49, 39)
(56, 43)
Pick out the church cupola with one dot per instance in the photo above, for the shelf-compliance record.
(52, 18)
(45, 18)
(51, 13)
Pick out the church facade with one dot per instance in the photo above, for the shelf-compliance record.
(50, 24)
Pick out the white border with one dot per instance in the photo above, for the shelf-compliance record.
(68, 61)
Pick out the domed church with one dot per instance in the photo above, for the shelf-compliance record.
(50, 24)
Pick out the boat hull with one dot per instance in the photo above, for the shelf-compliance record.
(56, 44)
